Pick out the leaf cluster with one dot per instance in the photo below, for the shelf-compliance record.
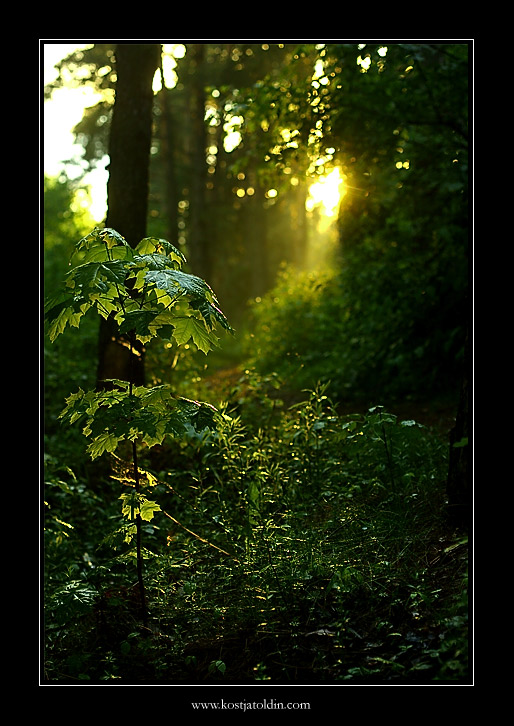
(143, 289)
(148, 295)
(134, 413)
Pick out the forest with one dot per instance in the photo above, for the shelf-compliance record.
(256, 449)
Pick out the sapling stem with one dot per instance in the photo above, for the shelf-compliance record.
(139, 559)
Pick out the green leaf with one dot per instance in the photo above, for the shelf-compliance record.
(150, 245)
(217, 665)
(461, 444)
(130, 506)
(134, 504)
(56, 304)
(138, 320)
(154, 262)
(103, 245)
(191, 328)
(148, 509)
(111, 238)
(104, 442)
(66, 315)
(98, 275)
(173, 281)
(161, 326)
(211, 313)
(62, 310)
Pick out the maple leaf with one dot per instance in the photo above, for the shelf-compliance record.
(103, 442)
(187, 328)
(148, 509)
(151, 245)
(172, 281)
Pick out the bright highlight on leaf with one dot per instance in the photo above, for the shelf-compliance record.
(186, 329)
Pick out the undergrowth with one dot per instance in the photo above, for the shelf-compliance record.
(378, 326)
(295, 544)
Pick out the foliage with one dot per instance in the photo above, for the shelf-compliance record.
(305, 550)
(71, 360)
(140, 287)
(389, 327)
(141, 290)
(65, 219)
(132, 413)
(327, 97)
(392, 116)
(65, 212)
(388, 319)
(288, 538)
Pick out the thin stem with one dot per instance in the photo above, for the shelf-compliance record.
(139, 559)
(388, 452)
(287, 604)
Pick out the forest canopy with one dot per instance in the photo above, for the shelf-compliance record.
(238, 141)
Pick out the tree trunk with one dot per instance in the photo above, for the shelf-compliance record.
(170, 186)
(127, 188)
(199, 253)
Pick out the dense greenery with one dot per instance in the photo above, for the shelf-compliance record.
(293, 544)
(299, 532)
(389, 316)
(380, 324)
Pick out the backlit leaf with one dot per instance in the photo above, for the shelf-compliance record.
(148, 509)
(103, 442)
(150, 245)
(193, 329)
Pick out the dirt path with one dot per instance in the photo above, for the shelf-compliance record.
(438, 413)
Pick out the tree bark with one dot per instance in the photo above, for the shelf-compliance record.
(127, 188)
(171, 193)
(199, 251)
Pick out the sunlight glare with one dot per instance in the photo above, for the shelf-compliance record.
(170, 53)
(326, 193)
(60, 115)
(232, 134)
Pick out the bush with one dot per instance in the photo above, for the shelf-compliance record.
(379, 326)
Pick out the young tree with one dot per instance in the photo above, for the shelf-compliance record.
(144, 291)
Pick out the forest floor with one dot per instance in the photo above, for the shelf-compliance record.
(439, 413)
(444, 561)
(409, 629)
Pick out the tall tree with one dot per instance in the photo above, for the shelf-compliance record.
(127, 188)
(199, 252)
